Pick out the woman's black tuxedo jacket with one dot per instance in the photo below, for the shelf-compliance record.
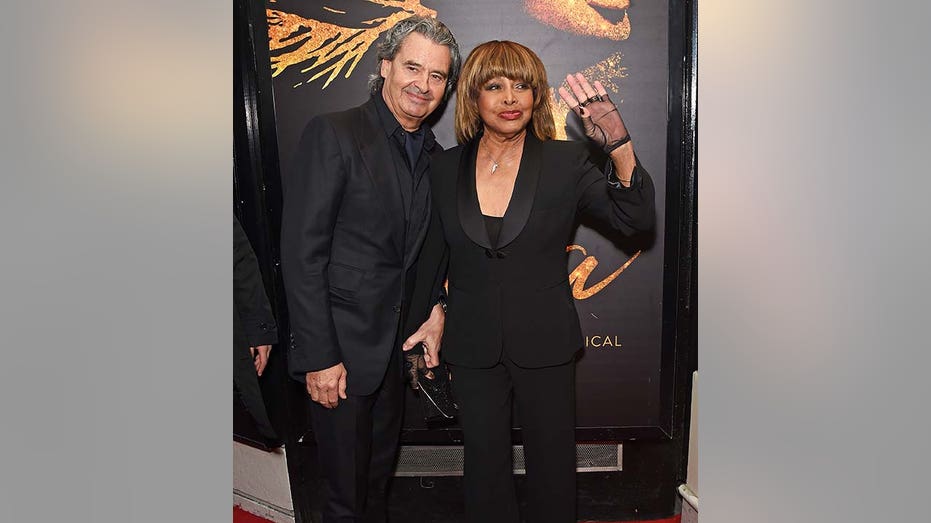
(514, 297)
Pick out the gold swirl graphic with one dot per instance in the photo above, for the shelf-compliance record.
(294, 40)
(582, 17)
(579, 276)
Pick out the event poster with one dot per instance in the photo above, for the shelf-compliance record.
(322, 53)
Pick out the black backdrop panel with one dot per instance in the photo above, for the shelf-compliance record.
(617, 282)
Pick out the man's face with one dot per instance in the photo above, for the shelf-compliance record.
(415, 79)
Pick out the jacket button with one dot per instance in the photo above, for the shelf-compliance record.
(263, 326)
(501, 254)
(396, 308)
(489, 253)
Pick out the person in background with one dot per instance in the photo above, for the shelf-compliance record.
(254, 331)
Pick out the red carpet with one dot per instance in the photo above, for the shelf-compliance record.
(241, 516)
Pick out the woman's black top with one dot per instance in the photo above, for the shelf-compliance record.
(493, 225)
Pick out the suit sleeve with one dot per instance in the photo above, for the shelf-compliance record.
(249, 298)
(313, 193)
(626, 209)
(431, 275)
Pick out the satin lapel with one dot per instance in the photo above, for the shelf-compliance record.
(470, 213)
(379, 165)
(525, 188)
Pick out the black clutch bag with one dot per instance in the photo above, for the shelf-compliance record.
(434, 390)
(436, 396)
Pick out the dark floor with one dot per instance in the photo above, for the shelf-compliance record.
(644, 491)
(602, 497)
(439, 499)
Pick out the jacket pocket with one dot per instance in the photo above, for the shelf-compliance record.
(345, 281)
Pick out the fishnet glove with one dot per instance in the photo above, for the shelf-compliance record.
(601, 120)
(413, 363)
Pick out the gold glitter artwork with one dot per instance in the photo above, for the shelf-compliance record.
(582, 17)
(294, 40)
(608, 71)
(579, 276)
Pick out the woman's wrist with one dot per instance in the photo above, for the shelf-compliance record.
(612, 146)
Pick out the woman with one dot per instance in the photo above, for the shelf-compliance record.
(505, 205)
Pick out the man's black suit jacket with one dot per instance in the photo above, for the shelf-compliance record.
(515, 296)
(343, 240)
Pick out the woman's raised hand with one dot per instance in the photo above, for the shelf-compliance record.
(600, 118)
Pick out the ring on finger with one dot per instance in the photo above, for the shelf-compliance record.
(596, 98)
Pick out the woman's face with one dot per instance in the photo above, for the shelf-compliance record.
(505, 106)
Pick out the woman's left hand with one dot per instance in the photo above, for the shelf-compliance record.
(600, 118)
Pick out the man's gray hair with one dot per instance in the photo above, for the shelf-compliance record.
(430, 28)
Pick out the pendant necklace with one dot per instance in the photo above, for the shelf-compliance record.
(496, 163)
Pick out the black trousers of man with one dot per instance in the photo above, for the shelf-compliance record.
(357, 445)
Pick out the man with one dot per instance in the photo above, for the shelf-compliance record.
(357, 205)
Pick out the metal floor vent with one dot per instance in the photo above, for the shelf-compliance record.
(424, 460)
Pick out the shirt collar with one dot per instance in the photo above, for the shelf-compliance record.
(392, 127)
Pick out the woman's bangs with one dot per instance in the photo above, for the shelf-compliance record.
(508, 62)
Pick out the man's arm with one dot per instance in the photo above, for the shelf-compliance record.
(430, 334)
(426, 319)
(312, 198)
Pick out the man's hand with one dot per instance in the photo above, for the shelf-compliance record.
(327, 386)
(431, 335)
(261, 359)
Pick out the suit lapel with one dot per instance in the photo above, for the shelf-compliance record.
(379, 165)
(525, 188)
(470, 213)
(518, 211)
